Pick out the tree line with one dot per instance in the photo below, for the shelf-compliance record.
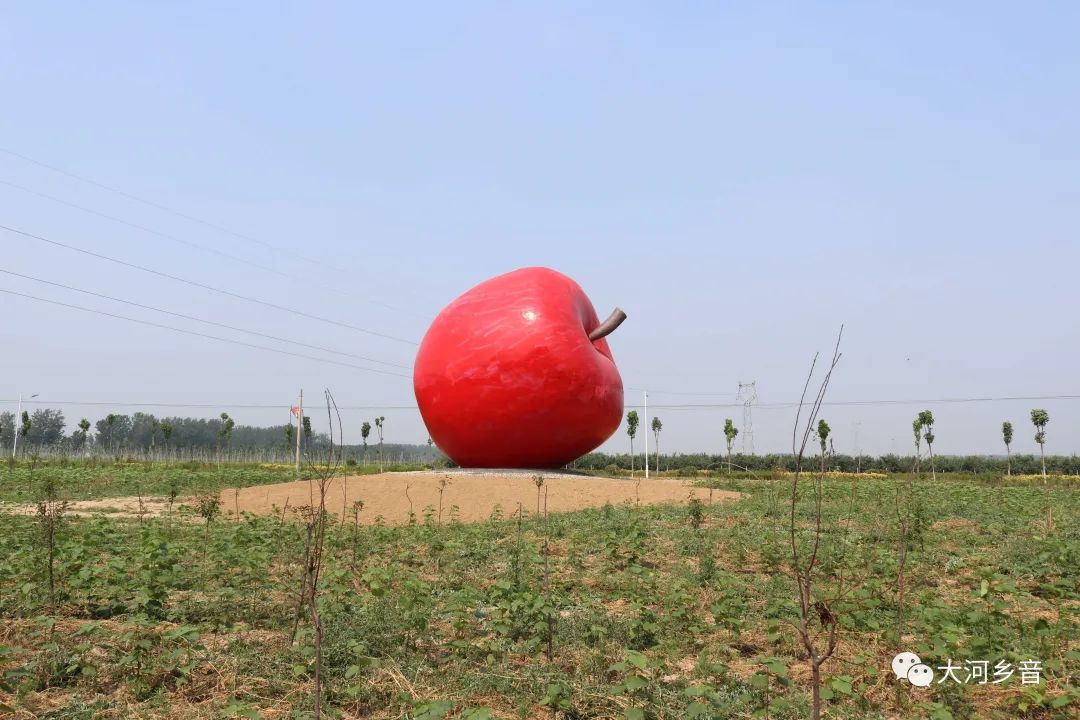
(923, 432)
(116, 434)
(892, 463)
(141, 433)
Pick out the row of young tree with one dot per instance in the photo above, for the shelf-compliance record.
(922, 427)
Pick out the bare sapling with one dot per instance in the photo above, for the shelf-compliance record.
(444, 481)
(50, 516)
(408, 497)
(344, 499)
(547, 583)
(357, 506)
(903, 498)
(174, 492)
(142, 505)
(804, 564)
(317, 522)
(538, 481)
(208, 505)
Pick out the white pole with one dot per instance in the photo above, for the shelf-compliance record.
(15, 427)
(646, 435)
(299, 420)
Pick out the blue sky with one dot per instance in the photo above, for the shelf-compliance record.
(740, 179)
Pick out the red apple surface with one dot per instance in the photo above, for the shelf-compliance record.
(507, 375)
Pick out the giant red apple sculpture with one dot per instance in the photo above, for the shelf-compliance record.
(516, 373)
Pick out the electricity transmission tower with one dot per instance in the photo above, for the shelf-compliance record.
(748, 395)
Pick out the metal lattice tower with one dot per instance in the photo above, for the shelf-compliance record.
(748, 395)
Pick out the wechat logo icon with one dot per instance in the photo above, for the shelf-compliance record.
(908, 666)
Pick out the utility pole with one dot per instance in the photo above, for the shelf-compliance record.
(16, 426)
(299, 422)
(646, 426)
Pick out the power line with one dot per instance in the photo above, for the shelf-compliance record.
(202, 335)
(774, 406)
(203, 286)
(207, 406)
(688, 394)
(203, 320)
(204, 248)
(863, 403)
(165, 208)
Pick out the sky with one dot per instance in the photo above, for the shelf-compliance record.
(742, 179)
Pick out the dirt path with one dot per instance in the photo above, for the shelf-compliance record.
(476, 493)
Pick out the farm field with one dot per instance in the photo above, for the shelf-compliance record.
(626, 610)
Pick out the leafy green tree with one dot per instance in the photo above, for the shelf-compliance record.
(84, 428)
(166, 434)
(632, 422)
(110, 423)
(379, 428)
(7, 429)
(1039, 418)
(46, 427)
(115, 430)
(225, 432)
(926, 420)
(143, 432)
(365, 431)
(916, 427)
(24, 428)
(730, 433)
(1007, 436)
(823, 431)
(657, 426)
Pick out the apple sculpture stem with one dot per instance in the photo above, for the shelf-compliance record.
(517, 373)
(608, 326)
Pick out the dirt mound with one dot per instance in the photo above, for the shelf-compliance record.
(475, 493)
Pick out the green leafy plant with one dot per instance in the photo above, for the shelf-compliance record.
(632, 422)
(1007, 437)
(1039, 418)
(730, 433)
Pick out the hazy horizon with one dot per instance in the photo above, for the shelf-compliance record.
(741, 181)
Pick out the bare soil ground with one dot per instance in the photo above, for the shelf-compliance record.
(474, 492)
(121, 507)
(388, 495)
